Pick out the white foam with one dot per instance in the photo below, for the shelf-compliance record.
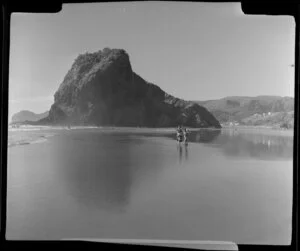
(28, 140)
(38, 141)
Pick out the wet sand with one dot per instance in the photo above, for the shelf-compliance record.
(106, 183)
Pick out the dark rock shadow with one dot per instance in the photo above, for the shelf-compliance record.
(100, 171)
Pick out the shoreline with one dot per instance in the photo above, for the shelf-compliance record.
(243, 130)
(28, 127)
(33, 134)
(36, 127)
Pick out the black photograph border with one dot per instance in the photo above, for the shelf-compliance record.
(291, 8)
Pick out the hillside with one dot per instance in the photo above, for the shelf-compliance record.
(260, 110)
(277, 120)
(25, 115)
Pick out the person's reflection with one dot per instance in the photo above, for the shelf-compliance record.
(180, 151)
(179, 148)
(186, 152)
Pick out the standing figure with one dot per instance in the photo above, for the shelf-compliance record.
(180, 134)
(185, 134)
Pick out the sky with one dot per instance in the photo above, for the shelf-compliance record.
(194, 51)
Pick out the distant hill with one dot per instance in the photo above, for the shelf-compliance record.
(102, 89)
(276, 119)
(260, 110)
(25, 115)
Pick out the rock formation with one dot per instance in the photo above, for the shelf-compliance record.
(102, 89)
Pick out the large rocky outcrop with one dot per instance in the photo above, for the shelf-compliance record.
(101, 89)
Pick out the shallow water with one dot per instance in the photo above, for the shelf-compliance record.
(225, 185)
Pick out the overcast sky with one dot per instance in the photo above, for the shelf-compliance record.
(194, 51)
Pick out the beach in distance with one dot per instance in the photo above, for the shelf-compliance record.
(264, 129)
(40, 133)
(138, 183)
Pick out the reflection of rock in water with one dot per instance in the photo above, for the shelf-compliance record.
(99, 176)
(102, 176)
(256, 145)
(204, 136)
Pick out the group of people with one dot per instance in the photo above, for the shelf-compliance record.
(181, 134)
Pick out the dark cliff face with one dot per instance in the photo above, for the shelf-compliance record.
(101, 89)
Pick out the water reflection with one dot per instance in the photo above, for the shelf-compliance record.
(259, 145)
(114, 165)
(99, 177)
(204, 136)
(201, 136)
(103, 177)
(182, 148)
(90, 175)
